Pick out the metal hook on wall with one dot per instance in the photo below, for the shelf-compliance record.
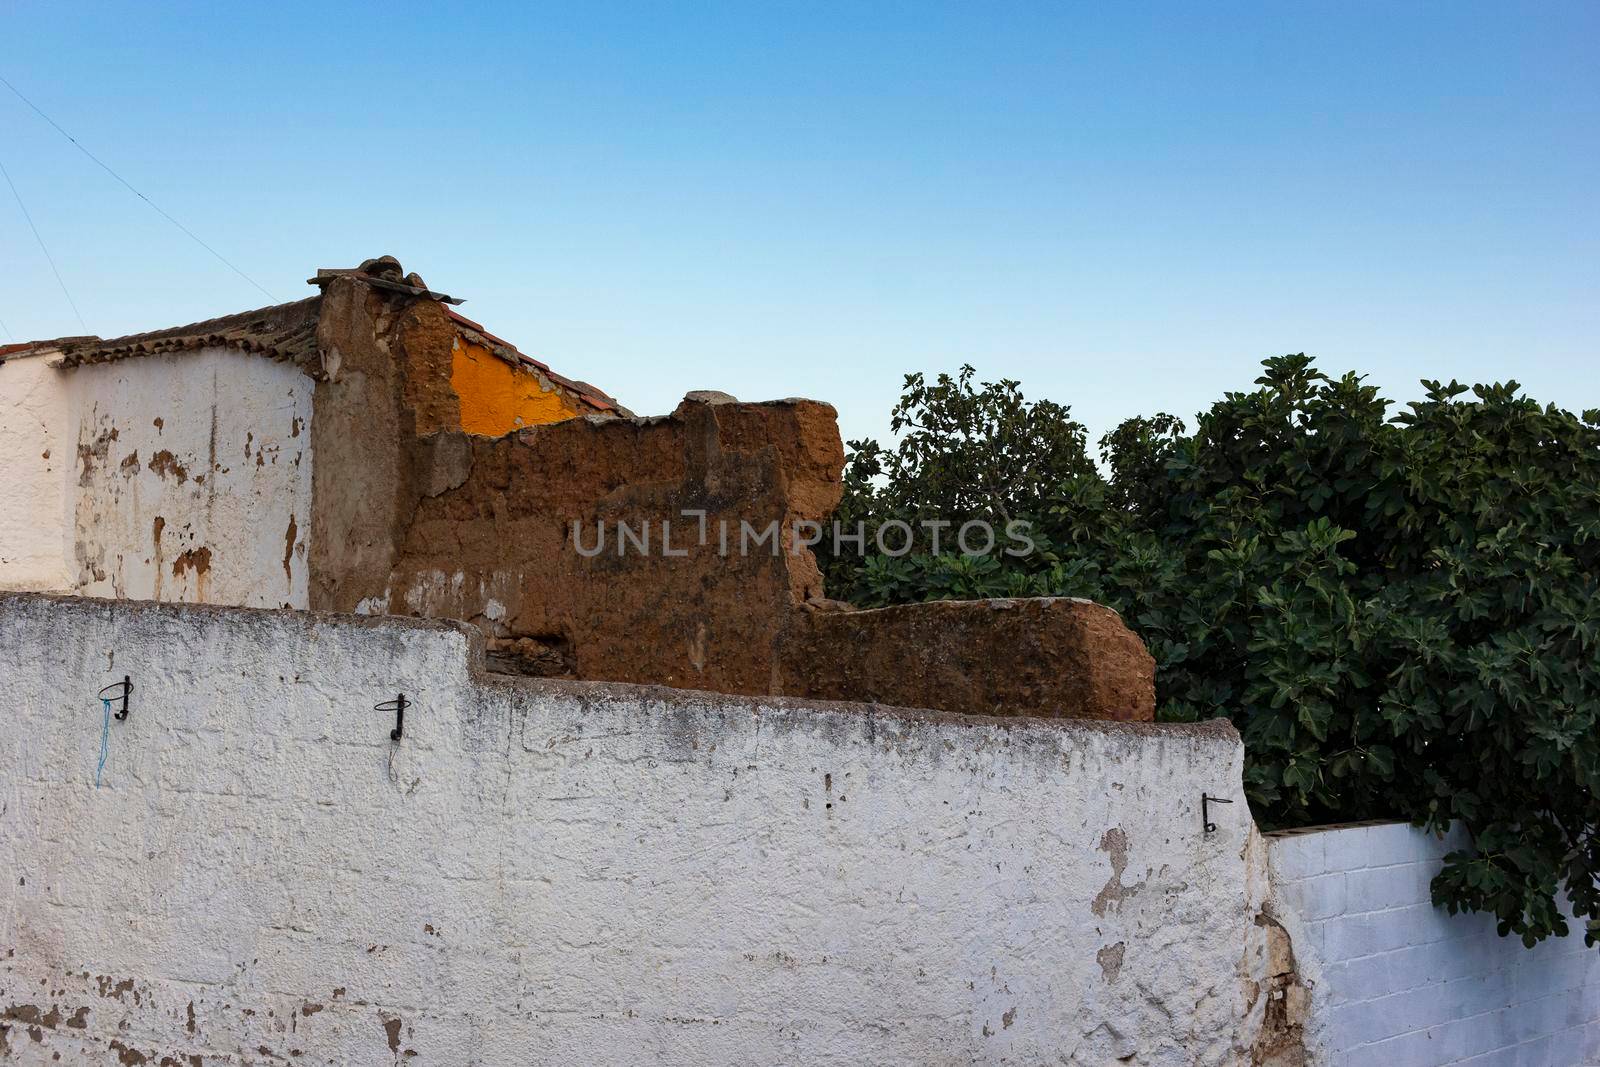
(123, 690)
(1205, 813)
(398, 705)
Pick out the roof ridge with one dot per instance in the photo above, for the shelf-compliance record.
(213, 325)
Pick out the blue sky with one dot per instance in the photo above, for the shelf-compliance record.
(1126, 206)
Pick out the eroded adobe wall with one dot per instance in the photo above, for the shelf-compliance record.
(393, 372)
(546, 872)
(361, 484)
(654, 550)
(1036, 656)
(491, 539)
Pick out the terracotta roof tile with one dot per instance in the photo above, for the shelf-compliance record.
(282, 331)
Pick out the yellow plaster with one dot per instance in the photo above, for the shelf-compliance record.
(496, 397)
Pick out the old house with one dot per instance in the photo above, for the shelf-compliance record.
(371, 450)
(224, 842)
(135, 460)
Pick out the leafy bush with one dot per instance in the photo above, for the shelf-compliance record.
(1399, 614)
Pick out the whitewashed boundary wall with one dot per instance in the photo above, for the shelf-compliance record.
(1401, 983)
(182, 476)
(544, 872)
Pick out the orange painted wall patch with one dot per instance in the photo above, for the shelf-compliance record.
(496, 397)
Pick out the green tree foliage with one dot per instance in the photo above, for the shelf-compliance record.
(1398, 613)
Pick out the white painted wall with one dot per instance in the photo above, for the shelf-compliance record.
(1401, 983)
(35, 464)
(180, 477)
(545, 872)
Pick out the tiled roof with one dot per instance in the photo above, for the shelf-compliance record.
(509, 352)
(288, 332)
(283, 331)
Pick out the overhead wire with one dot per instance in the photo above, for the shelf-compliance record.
(127, 185)
(43, 248)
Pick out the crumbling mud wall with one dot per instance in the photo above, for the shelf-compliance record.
(391, 375)
(1038, 656)
(560, 872)
(595, 546)
(662, 550)
(498, 524)
(671, 551)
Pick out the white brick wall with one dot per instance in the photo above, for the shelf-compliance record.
(1401, 983)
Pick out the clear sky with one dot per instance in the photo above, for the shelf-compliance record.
(1124, 205)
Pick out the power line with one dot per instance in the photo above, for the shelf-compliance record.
(220, 258)
(46, 251)
(7, 329)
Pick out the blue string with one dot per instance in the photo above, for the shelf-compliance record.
(105, 735)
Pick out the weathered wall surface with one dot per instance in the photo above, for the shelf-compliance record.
(182, 476)
(193, 478)
(35, 461)
(489, 537)
(544, 872)
(497, 398)
(522, 536)
(1040, 655)
(1401, 983)
(192, 481)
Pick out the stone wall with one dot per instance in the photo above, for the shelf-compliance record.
(1399, 982)
(543, 872)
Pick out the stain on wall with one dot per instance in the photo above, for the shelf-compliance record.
(224, 472)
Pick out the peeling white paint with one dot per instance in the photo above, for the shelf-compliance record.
(577, 872)
(433, 593)
(180, 477)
